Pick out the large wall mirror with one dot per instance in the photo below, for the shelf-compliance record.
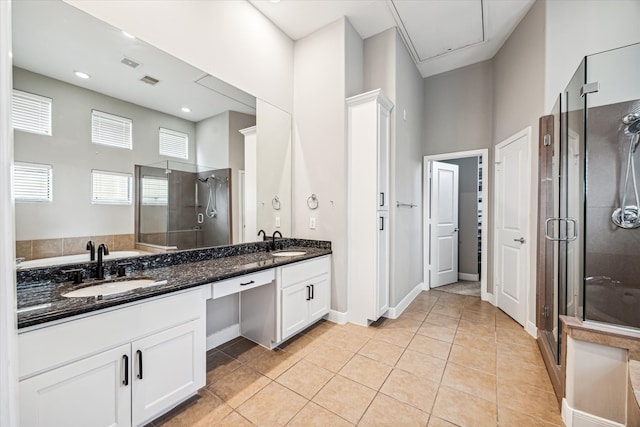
(142, 152)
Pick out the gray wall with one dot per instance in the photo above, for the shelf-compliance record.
(467, 214)
(73, 156)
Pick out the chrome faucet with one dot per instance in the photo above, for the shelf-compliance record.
(273, 239)
(102, 250)
(92, 250)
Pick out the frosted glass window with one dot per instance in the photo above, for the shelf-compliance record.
(31, 113)
(174, 144)
(111, 130)
(155, 190)
(110, 188)
(32, 182)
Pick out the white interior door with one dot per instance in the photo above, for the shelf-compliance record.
(512, 193)
(444, 224)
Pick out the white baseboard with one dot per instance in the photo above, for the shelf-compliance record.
(395, 312)
(532, 329)
(222, 336)
(339, 317)
(575, 418)
(472, 277)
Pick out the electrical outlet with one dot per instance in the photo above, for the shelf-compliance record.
(312, 223)
(277, 222)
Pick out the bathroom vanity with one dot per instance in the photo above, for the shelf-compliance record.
(126, 360)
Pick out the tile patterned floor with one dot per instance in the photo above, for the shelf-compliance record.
(448, 360)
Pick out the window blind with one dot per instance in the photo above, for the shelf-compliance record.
(31, 113)
(32, 182)
(110, 188)
(112, 130)
(174, 143)
(155, 190)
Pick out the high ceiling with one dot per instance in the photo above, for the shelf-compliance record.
(441, 35)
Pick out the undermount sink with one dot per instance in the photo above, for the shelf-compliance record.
(113, 287)
(288, 253)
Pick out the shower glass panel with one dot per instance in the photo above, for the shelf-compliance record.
(612, 238)
(182, 206)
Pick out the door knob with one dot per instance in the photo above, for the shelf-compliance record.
(521, 240)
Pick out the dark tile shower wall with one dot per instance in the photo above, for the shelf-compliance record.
(610, 251)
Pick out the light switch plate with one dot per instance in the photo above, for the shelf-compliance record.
(278, 222)
(312, 223)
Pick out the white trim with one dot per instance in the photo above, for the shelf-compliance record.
(531, 329)
(8, 335)
(484, 153)
(529, 238)
(471, 277)
(573, 417)
(222, 336)
(395, 312)
(339, 317)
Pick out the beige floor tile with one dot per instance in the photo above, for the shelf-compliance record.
(515, 354)
(410, 325)
(386, 411)
(411, 389)
(345, 340)
(352, 328)
(234, 420)
(439, 422)
(313, 415)
(239, 386)
(329, 357)
(477, 317)
(464, 409)
(472, 358)
(345, 398)
(471, 381)
(300, 344)
(442, 320)
(422, 365)
(512, 373)
(220, 364)
(204, 412)
(319, 329)
(244, 350)
(479, 342)
(366, 371)
(305, 378)
(438, 332)
(517, 337)
(274, 405)
(382, 351)
(479, 329)
(399, 337)
(414, 314)
(531, 401)
(507, 417)
(447, 310)
(430, 346)
(273, 363)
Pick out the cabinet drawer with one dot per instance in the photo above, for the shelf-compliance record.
(242, 283)
(295, 273)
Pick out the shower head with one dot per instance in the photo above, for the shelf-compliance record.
(634, 127)
(632, 120)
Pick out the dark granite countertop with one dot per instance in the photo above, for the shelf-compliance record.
(40, 297)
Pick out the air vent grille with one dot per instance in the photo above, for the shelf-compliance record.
(150, 80)
(130, 63)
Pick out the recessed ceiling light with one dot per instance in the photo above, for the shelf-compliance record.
(274, 1)
(124, 33)
(186, 109)
(82, 75)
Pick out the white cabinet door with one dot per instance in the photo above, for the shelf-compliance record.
(95, 391)
(320, 301)
(295, 308)
(384, 116)
(382, 264)
(167, 367)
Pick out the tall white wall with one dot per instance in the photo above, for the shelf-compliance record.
(228, 39)
(321, 84)
(575, 29)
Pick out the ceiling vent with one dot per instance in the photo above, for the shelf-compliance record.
(150, 80)
(130, 62)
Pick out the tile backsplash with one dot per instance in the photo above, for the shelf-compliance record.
(47, 248)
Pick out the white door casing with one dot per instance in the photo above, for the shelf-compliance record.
(512, 224)
(444, 224)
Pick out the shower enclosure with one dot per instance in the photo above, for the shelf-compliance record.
(182, 206)
(589, 240)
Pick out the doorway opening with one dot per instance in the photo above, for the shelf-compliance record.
(459, 240)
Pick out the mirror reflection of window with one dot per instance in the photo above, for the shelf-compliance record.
(155, 191)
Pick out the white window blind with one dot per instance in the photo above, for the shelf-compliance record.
(112, 130)
(155, 190)
(32, 182)
(110, 188)
(174, 144)
(31, 113)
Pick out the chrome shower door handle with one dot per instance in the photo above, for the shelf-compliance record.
(546, 229)
(575, 233)
(521, 240)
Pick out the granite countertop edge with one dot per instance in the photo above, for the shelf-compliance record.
(179, 277)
